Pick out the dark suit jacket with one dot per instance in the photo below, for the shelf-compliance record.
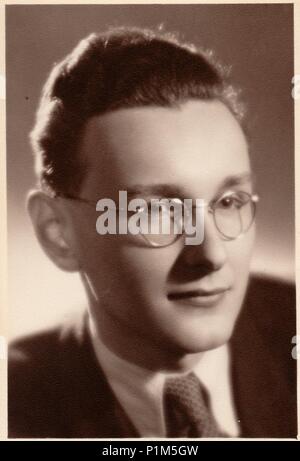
(57, 389)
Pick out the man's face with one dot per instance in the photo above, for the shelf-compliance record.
(142, 293)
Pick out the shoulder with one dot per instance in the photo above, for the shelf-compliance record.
(35, 365)
(264, 369)
(267, 324)
(271, 303)
(46, 373)
(44, 353)
(268, 288)
(45, 344)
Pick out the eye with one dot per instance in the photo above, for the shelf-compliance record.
(233, 201)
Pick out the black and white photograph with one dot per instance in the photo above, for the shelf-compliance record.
(150, 152)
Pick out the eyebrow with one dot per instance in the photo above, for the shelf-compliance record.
(237, 180)
(170, 190)
(164, 190)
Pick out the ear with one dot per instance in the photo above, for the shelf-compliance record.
(53, 230)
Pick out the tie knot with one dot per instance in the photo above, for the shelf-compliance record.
(187, 410)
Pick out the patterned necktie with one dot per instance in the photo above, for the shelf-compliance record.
(187, 409)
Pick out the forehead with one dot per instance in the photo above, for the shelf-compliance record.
(194, 147)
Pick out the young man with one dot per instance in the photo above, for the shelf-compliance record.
(176, 341)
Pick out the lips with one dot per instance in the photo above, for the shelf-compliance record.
(200, 298)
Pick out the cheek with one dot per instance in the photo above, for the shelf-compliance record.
(239, 258)
(147, 267)
(118, 267)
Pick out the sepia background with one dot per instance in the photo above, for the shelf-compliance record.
(257, 40)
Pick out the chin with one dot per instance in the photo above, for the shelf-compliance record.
(207, 344)
(193, 329)
(205, 339)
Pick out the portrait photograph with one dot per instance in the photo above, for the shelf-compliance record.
(150, 172)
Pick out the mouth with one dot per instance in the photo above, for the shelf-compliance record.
(199, 298)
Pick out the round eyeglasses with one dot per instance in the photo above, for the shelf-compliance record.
(233, 214)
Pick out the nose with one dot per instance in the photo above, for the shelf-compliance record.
(211, 253)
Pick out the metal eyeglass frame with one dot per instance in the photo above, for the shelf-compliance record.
(254, 198)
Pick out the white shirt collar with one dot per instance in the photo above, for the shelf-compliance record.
(140, 391)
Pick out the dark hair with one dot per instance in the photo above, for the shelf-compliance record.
(121, 68)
